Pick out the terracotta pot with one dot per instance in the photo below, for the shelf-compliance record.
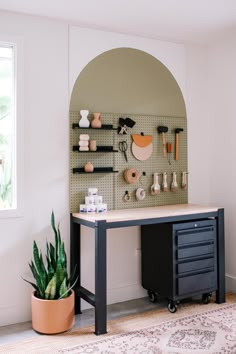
(92, 145)
(88, 167)
(96, 122)
(52, 316)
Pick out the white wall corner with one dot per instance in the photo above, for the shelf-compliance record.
(230, 283)
(199, 125)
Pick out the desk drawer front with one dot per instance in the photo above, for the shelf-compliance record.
(195, 265)
(196, 250)
(197, 282)
(196, 235)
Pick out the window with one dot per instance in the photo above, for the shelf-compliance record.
(7, 131)
(10, 137)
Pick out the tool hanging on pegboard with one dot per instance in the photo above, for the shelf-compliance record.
(142, 146)
(164, 182)
(125, 123)
(184, 185)
(169, 151)
(177, 131)
(155, 188)
(162, 130)
(174, 184)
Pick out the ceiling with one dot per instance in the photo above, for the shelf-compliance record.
(195, 21)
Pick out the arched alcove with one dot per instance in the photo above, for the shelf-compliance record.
(119, 83)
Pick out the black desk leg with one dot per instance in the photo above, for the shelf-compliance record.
(220, 294)
(75, 259)
(100, 278)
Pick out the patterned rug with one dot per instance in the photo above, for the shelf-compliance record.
(211, 332)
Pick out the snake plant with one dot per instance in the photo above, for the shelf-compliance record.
(51, 277)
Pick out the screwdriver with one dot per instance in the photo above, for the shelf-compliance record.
(169, 151)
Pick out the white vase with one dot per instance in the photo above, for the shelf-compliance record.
(84, 122)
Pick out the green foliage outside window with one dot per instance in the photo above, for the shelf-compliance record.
(6, 131)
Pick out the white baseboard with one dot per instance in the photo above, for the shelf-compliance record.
(135, 291)
(125, 293)
(230, 283)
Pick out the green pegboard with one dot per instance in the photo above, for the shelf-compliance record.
(112, 186)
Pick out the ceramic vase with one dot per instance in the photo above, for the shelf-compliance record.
(92, 145)
(84, 122)
(88, 167)
(96, 122)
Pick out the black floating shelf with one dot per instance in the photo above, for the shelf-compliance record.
(96, 170)
(99, 149)
(103, 127)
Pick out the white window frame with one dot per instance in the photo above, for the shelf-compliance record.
(17, 44)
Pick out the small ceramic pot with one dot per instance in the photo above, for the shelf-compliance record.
(96, 122)
(88, 167)
(92, 145)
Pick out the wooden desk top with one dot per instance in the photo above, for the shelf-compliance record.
(146, 213)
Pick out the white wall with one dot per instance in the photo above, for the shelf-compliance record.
(46, 152)
(97, 42)
(222, 102)
(45, 156)
(199, 126)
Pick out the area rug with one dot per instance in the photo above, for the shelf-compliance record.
(212, 332)
(194, 328)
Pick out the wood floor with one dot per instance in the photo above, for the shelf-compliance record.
(21, 331)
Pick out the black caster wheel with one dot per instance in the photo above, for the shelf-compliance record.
(172, 307)
(206, 298)
(152, 296)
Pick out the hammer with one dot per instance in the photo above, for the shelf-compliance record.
(177, 131)
(161, 129)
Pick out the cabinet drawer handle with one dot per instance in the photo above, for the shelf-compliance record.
(194, 231)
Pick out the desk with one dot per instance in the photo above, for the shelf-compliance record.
(134, 217)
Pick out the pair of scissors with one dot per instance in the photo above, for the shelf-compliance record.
(123, 146)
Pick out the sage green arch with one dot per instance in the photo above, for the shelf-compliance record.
(127, 80)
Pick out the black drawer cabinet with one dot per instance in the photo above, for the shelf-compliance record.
(179, 260)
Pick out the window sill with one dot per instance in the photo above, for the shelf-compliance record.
(10, 213)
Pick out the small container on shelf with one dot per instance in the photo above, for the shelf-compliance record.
(88, 167)
(92, 145)
(84, 122)
(84, 142)
(96, 122)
